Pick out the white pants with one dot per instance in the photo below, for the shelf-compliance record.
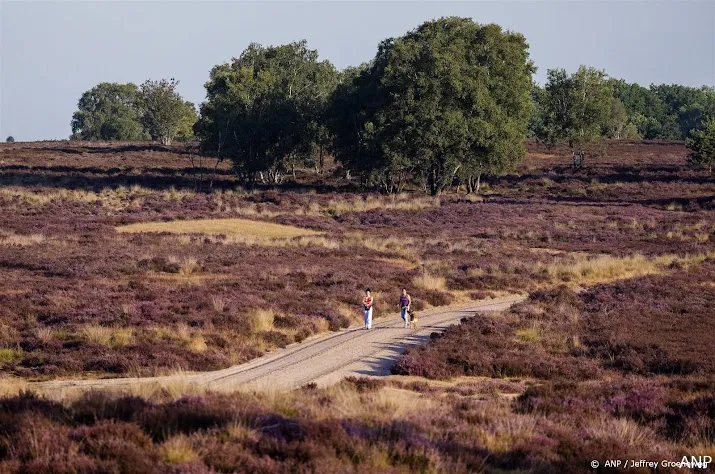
(367, 315)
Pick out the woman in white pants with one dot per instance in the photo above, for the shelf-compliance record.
(367, 308)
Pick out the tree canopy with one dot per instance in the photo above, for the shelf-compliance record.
(165, 114)
(264, 110)
(702, 144)
(109, 111)
(449, 98)
(576, 108)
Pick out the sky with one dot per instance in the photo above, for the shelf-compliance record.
(51, 52)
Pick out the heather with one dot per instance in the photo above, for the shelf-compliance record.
(650, 325)
(621, 367)
(608, 356)
(359, 425)
(79, 296)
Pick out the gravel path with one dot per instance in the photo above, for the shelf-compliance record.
(323, 359)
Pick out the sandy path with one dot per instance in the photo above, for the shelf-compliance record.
(323, 359)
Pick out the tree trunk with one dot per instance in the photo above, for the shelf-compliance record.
(213, 174)
(434, 178)
(479, 183)
(321, 160)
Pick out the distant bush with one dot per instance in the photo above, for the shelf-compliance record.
(10, 139)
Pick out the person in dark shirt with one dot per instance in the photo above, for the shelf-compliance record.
(405, 305)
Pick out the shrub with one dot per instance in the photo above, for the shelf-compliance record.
(338, 321)
(436, 298)
(275, 338)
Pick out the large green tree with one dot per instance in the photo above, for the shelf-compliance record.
(577, 107)
(165, 114)
(109, 111)
(265, 109)
(449, 99)
(702, 144)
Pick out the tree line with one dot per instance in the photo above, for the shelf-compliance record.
(450, 101)
(154, 110)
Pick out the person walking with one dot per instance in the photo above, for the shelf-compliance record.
(405, 305)
(367, 308)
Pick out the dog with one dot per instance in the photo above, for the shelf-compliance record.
(414, 320)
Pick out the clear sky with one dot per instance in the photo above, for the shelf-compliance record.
(52, 52)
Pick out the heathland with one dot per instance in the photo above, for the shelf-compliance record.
(116, 262)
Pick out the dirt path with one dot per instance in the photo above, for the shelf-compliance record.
(323, 359)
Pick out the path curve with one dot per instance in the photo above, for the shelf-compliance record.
(324, 359)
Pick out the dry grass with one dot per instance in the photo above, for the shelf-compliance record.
(106, 336)
(45, 197)
(315, 240)
(12, 239)
(45, 334)
(428, 281)
(189, 266)
(346, 402)
(622, 432)
(197, 344)
(97, 334)
(531, 334)
(242, 227)
(403, 202)
(187, 279)
(261, 319)
(590, 270)
(240, 432)
(11, 386)
(178, 450)
(111, 199)
(122, 337)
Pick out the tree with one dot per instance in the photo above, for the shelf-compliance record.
(165, 114)
(352, 106)
(10, 139)
(448, 99)
(576, 108)
(686, 107)
(265, 110)
(664, 111)
(536, 121)
(702, 145)
(189, 117)
(617, 120)
(109, 111)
